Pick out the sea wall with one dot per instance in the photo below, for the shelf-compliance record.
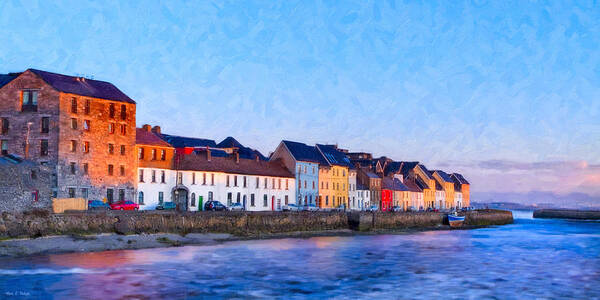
(42, 223)
(566, 214)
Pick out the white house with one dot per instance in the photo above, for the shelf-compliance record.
(353, 201)
(363, 197)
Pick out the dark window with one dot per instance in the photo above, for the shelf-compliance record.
(87, 107)
(123, 129)
(153, 176)
(251, 199)
(74, 123)
(153, 154)
(74, 105)
(141, 174)
(122, 170)
(160, 198)
(72, 167)
(193, 199)
(123, 112)
(73, 145)
(244, 181)
(4, 129)
(235, 181)
(265, 199)
(86, 147)
(43, 147)
(163, 154)
(110, 170)
(162, 176)
(141, 153)
(122, 149)
(29, 100)
(286, 199)
(71, 192)
(84, 193)
(111, 111)
(203, 178)
(4, 147)
(45, 124)
(227, 181)
(109, 195)
(121, 195)
(111, 149)
(111, 128)
(229, 202)
(193, 177)
(85, 168)
(212, 179)
(141, 198)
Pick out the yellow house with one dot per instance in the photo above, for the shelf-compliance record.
(448, 184)
(333, 177)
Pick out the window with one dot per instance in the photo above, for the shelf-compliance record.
(111, 149)
(212, 179)
(265, 182)
(286, 199)
(141, 153)
(33, 174)
(210, 196)
(229, 201)
(72, 168)
(121, 195)
(299, 184)
(273, 183)
(251, 199)
(153, 154)
(85, 168)
(265, 200)
(86, 125)
(122, 150)
(163, 154)
(86, 147)
(45, 124)
(74, 105)
(279, 183)
(122, 170)
(141, 175)
(162, 176)
(257, 182)
(4, 147)
(286, 185)
(203, 178)
(326, 200)
(111, 128)
(71, 192)
(304, 183)
(179, 178)
(111, 111)
(235, 181)
(238, 198)
(110, 170)
(227, 181)
(84, 193)
(153, 176)
(193, 199)
(141, 198)
(123, 112)
(123, 129)
(245, 181)
(313, 183)
(73, 123)
(193, 177)
(30, 99)
(86, 108)
(73, 145)
(110, 195)
(160, 198)
(4, 129)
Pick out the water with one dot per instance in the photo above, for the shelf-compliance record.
(529, 259)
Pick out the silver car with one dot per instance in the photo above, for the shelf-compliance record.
(236, 207)
(290, 207)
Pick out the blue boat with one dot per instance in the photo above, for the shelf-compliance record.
(455, 220)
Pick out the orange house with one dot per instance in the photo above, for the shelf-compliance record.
(448, 184)
(464, 188)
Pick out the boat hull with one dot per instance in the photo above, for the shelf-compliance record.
(455, 221)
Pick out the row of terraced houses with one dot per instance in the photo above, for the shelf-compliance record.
(82, 134)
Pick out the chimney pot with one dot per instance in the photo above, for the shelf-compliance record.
(156, 129)
(208, 155)
(146, 127)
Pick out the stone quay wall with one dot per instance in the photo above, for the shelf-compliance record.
(42, 223)
(566, 214)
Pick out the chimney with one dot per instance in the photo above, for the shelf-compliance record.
(236, 155)
(208, 155)
(156, 129)
(146, 127)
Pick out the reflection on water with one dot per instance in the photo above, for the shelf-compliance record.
(529, 259)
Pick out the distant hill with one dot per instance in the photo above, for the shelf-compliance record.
(537, 199)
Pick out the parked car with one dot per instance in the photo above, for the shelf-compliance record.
(214, 206)
(396, 208)
(340, 207)
(372, 208)
(124, 205)
(166, 206)
(310, 207)
(291, 207)
(97, 205)
(236, 207)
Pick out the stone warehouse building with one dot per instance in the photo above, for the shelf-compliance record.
(83, 129)
(24, 184)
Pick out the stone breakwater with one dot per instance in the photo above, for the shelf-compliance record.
(566, 214)
(41, 223)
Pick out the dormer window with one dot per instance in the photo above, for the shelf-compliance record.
(29, 100)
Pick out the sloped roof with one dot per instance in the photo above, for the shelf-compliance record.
(458, 177)
(86, 87)
(412, 186)
(213, 152)
(420, 183)
(334, 156)
(181, 141)
(393, 184)
(444, 176)
(245, 152)
(392, 167)
(427, 172)
(144, 137)
(6, 78)
(407, 166)
(304, 152)
(229, 142)
(361, 187)
(371, 174)
(199, 162)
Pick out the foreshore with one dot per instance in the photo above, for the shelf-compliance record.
(36, 234)
(566, 214)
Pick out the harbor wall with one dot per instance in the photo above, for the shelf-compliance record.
(42, 223)
(566, 214)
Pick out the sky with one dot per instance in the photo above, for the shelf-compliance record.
(505, 92)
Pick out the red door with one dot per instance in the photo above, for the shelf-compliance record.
(273, 203)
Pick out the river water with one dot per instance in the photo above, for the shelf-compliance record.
(529, 259)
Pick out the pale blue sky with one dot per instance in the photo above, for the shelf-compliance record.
(449, 83)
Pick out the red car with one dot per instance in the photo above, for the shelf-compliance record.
(124, 205)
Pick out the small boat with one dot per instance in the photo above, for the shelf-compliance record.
(455, 220)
